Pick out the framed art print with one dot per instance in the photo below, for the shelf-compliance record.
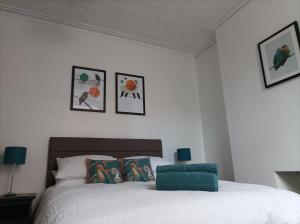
(130, 94)
(88, 89)
(280, 55)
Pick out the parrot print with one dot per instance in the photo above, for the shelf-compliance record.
(104, 171)
(281, 56)
(138, 170)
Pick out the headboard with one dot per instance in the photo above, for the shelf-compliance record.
(60, 147)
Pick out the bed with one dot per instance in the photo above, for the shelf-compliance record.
(139, 202)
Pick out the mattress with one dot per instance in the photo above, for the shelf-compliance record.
(139, 202)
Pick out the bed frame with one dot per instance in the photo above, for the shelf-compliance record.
(60, 147)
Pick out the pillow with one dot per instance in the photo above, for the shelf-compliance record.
(63, 182)
(75, 167)
(104, 171)
(155, 161)
(138, 170)
(73, 182)
(54, 173)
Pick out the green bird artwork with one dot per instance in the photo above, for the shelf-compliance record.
(281, 56)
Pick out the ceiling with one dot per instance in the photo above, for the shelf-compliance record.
(186, 25)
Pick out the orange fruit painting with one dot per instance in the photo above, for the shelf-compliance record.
(94, 91)
(131, 85)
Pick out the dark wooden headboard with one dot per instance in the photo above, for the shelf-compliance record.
(60, 147)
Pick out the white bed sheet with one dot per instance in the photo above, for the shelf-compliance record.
(140, 203)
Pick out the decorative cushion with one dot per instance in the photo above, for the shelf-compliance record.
(154, 160)
(104, 171)
(138, 170)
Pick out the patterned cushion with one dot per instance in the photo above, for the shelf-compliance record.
(104, 171)
(138, 169)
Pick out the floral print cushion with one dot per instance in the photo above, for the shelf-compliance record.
(104, 171)
(138, 170)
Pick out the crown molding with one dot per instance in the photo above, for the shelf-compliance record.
(212, 40)
(231, 13)
(67, 22)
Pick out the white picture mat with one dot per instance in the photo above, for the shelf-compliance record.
(97, 103)
(265, 59)
(130, 104)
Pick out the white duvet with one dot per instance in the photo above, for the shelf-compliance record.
(139, 203)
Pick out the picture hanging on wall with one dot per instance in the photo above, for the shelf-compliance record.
(88, 89)
(130, 94)
(280, 55)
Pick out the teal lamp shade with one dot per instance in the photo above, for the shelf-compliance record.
(184, 154)
(14, 155)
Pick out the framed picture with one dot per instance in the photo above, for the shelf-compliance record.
(280, 55)
(130, 94)
(88, 89)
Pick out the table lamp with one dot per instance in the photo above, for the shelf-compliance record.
(14, 155)
(184, 154)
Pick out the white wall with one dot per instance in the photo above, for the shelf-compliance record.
(35, 79)
(264, 124)
(214, 123)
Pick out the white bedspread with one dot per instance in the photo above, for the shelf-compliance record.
(139, 203)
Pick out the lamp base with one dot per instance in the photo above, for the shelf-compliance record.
(10, 194)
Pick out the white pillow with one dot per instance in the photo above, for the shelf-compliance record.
(54, 173)
(155, 161)
(73, 182)
(62, 182)
(75, 167)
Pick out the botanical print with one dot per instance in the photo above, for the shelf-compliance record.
(138, 170)
(88, 89)
(104, 171)
(280, 55)
(130, 94)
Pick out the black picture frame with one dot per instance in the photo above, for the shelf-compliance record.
(72, 108)
(267, 83)
(118, 111)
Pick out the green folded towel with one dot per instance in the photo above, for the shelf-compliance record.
(201, 167)
(171, 168)
(191, 181)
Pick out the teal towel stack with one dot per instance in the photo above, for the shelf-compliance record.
(202, 177)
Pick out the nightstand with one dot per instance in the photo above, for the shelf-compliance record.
(16, 209)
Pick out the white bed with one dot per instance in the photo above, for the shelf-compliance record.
(139, 202)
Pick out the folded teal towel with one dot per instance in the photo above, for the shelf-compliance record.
(171, 168)
(201, 167)
(191, 181)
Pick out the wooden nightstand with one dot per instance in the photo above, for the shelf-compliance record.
(16, 209)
